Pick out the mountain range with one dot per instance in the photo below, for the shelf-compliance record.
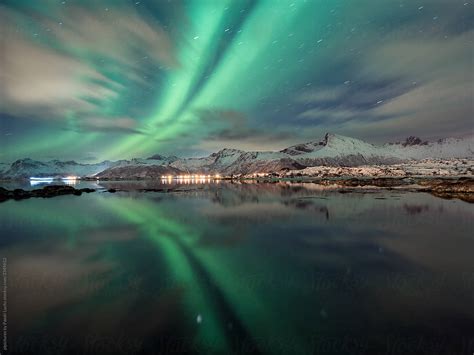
(332, 150)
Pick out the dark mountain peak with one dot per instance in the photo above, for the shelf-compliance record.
(26, 162)
(303, 148)
(157, 157)
(227, 152)
(329, 138)
(63, 163)
(333, 137)
(170, 159)
(412, 140)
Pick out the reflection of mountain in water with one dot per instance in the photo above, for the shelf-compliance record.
(415, 209)
(249, 261)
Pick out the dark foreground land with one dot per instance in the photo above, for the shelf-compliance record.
(448, 188)
(45, 192)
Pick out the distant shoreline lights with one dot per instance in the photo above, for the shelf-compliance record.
(68, 180)
(190, 179)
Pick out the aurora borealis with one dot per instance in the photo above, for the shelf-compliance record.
(93, 80)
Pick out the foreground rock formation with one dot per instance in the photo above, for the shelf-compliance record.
(45, 192)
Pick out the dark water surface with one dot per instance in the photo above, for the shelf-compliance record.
(243, 269)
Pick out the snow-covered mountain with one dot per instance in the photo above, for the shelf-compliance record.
(233, 161)
(4, 167)
(26, 168)
(339, 150)
(142, 171)
(162, 158)
(212, 163)
(332, 150)
(414, 148)
(254, 162)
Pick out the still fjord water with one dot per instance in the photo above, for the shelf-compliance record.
(230, 268)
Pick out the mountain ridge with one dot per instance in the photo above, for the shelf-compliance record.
(332, 150)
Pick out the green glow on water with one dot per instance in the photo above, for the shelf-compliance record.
(230, 266)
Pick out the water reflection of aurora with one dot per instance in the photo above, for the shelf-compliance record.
(218, 288)
(102, 238)
(224, 269)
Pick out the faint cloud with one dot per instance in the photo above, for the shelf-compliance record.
(40, 83)
(438, 75)
(105, 124)
(329, 115)
(327, 94)
(116, 32)
(76, 66)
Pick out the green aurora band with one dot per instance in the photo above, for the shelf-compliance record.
(124, 79)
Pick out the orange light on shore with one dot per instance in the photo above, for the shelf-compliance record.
(69, 180)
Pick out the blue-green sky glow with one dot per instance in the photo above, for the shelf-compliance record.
(93, 80)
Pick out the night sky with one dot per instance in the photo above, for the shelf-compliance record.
(93, 80)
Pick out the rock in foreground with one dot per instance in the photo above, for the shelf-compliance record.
(45, 192)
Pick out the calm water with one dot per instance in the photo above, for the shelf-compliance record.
(263, 268)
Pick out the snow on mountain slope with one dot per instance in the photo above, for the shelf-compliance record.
(131, 172)
(339, 150)
(233, 161)
(346, 151)
(25, 168)
(159, 157)
(444, 148)
(212, 163)
(254, 162)
(190, 165)
(144, 162)
(332, 145)
(332, 150)
(336, 145)
(303, 148)
(4, 167)
(225, 158)
(254, 165)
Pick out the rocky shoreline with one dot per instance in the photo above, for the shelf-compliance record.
(448, 188)
(45, 192)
